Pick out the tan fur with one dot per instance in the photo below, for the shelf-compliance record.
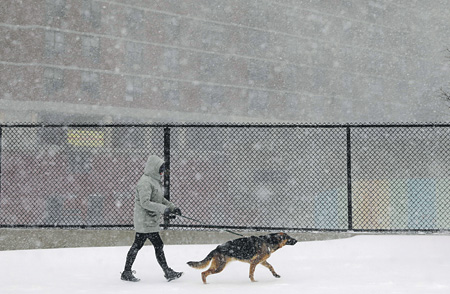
(264, 249)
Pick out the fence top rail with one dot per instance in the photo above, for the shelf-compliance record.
(225, 125)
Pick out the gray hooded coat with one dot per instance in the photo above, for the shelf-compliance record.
(149, 200)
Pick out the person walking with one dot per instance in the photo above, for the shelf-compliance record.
(149, 205)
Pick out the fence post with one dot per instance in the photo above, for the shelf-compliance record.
(1, 151)
(349, 180)
(167, 172)
(167, 162)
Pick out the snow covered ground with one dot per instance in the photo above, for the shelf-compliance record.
(362, 264)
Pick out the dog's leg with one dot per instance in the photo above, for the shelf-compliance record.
(253, 265)
(204, 275)
(259, 258)
(218, 263)
(270, 267)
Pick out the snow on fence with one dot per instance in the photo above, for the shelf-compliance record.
(260, 177)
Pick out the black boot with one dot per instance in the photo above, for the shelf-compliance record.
(128, 276)
(171, 275)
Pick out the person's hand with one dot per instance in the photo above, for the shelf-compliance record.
(176, 211)
(168, 214)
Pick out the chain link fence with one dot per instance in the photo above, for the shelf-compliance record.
(260, 177)
(72, 176)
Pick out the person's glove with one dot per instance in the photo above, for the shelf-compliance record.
(168, 214)
(176, 211)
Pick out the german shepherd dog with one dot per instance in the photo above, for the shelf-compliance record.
(253, 250)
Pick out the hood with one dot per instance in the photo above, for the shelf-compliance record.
(152, 166)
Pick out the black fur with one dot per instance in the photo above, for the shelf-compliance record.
(254, 250)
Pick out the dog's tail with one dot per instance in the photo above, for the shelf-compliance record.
(204, 263)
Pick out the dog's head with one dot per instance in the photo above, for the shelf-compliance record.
(281, 239)
(289, 239)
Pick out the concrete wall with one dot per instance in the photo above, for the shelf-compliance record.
(21, 239)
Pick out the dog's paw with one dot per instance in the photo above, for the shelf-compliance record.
(277, 276)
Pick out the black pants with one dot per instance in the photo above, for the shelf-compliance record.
(139, 243)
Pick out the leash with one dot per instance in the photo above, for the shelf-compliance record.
(200, 222)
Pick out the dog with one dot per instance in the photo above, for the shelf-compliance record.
(254, 250)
